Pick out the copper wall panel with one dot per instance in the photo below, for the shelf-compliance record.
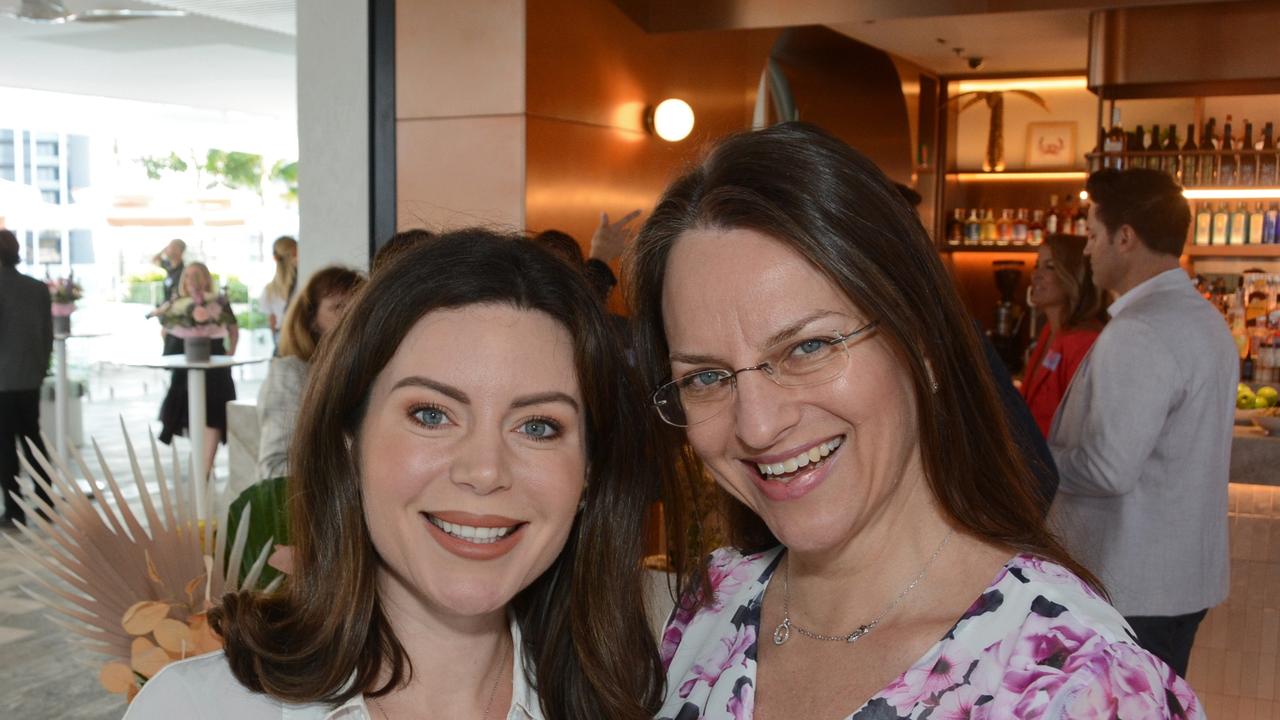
(459, 58)
(1201, 49)
(454, 172)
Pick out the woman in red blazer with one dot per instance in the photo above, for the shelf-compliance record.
(1062, 288)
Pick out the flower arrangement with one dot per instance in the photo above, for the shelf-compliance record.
(63, 294)
(196, 316)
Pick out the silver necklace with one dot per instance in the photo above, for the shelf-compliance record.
(782, 633)
(493, 693)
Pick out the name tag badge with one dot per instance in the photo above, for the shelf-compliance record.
(1051, 360)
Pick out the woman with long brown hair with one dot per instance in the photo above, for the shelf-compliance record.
(887, 557)
(468, 479)
(1074, 309)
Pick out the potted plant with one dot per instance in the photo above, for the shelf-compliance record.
(63, 294)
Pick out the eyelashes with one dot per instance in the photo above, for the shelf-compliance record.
(538, 428)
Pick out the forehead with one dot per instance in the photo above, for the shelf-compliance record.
(496, 351)
(743, 282)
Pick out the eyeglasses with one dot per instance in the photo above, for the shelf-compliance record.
(699, 396)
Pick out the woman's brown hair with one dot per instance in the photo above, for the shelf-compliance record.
(835, 208)
(1086, 302)
(325, 636)
(298, 333)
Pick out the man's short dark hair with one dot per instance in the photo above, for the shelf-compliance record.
(562, 245)
(1149, 201)
(8, 248)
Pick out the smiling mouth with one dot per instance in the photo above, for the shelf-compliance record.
(472, 534)
(784, 471)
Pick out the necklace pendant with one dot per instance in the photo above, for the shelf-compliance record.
(782, 633)
(856, 635)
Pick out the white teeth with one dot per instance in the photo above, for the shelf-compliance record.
(478, 535)
(810, 456)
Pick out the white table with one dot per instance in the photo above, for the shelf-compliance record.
(60, 391)
(195, 407)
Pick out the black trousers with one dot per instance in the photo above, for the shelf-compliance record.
(19, 419)
(1168, 637)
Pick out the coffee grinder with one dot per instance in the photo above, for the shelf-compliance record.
(1006, 333)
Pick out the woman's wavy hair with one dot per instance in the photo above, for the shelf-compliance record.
(298, 334)
(831, 205)
(1086, 302)
(325, 635)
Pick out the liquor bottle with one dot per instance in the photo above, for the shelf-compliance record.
(1116, 143)
(1095, 157)
(1267, 158)
(1188, 161)
(1035, 229)
(1080, 225)
(972, 228)
(1239, 225)
(1020, 229)
(1269, 228)
(989, 232)
(1053, 219)
(955, 227)
(1137, 148)
(1247, 173)
(1221, 224)
(1208, 166)
(1227, 157)
(1169, 162)
(1204, 225)
(1004, 227)
(1256, 220)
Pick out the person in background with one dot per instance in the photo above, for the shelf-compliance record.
(197, 284)
(397, 245)
(26, 342)
(607, 243)
(170, 260)
(1075, 309)
(887, 555)
(275, 297)
(1143, 436)
(313, 313)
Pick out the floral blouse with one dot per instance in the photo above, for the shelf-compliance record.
(1038, 644)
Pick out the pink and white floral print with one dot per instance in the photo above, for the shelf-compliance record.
(1038, 644)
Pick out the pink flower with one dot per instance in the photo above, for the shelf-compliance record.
(727, 573)
(743, 701)
(730, 652)
(671, 638)
(200, 315)
(956, 704)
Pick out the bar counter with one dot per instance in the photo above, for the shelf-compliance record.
(1255, 456)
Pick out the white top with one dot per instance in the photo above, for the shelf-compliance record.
(203, 687)
(272, 304)
(278, 403)
(1142, 441)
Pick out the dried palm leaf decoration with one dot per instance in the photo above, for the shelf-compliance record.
(133, 592)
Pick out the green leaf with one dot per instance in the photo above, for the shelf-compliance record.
(268, 519)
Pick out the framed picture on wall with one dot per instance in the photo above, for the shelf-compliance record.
(1051, 145)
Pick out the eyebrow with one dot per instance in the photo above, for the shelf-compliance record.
(462, 397)
(782, 335)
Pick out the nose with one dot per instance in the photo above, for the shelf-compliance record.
(479, 464)
(763, 411)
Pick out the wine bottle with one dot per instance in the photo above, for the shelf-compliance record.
(955, 227)
(1053, 219)
(1267, 158)
(1004, 227)
(1116, 143)
(1035, 229)
(1169, 162)
(1247, 163)
(1020, 229)
(1227, 157)
(1138, 148)
(1208, 167)
(1188, 162)
(1095, 157)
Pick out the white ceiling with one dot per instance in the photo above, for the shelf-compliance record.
(1050, 40)
(228, 55)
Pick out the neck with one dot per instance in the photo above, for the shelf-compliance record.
(456, 659)
(1056, 315)
(1144, 269)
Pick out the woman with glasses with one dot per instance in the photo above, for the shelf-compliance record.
(885, 554)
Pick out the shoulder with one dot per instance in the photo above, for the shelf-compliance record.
(1078, 338)
(1041, 642)
(201, 687)
(288, 366)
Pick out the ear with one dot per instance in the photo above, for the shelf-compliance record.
(1126, 239)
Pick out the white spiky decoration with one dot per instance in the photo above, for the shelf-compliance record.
(123, 582)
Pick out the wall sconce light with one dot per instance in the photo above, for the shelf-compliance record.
(671, 120)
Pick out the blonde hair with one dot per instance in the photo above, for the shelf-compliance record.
(298, 334)
(192, 269)
(285, 251)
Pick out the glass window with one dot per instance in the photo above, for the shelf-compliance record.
(50, 247)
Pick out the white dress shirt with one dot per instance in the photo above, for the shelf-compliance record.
(203, 687)
(1142, 441)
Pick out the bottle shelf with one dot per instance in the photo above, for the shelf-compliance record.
(1018, 176)
(1233, 251)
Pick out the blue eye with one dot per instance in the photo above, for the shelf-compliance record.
(540, 428)
(702, 380)
(430, 416)
(809, 347)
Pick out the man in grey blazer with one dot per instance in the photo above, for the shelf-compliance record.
(26, 341)
(1143, 437)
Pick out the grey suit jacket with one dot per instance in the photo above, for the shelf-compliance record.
(26, 331)
(1143, 444)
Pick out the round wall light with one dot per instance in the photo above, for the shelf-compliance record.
(671, 120)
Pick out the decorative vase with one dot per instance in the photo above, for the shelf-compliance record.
(61, 324)
(197, 349)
